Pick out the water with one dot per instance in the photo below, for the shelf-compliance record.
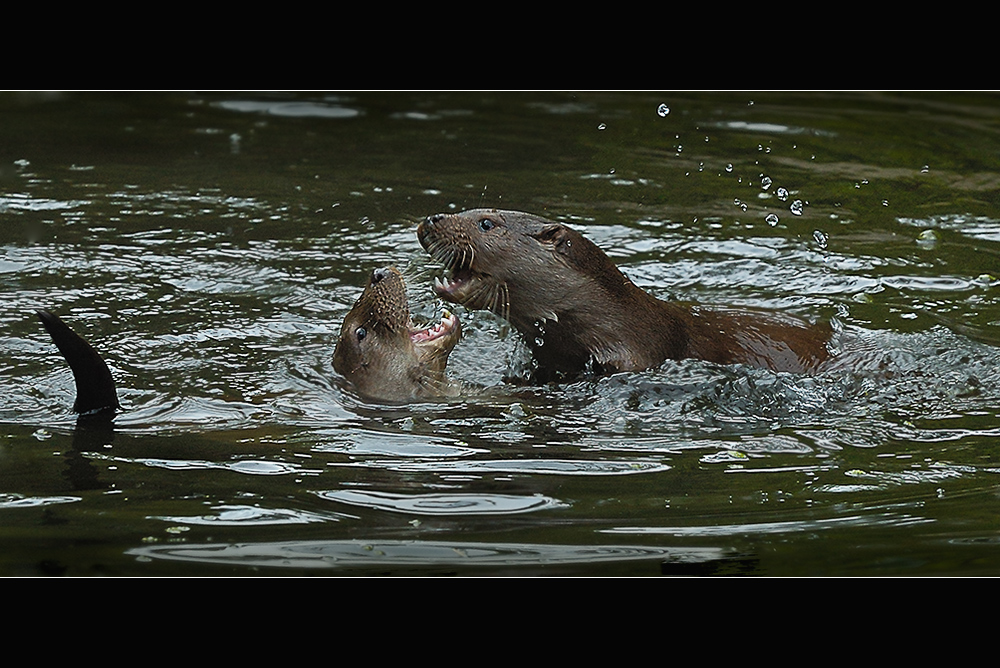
(209, 246)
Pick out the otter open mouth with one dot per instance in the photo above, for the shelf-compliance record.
(448, 327)
(455, 288)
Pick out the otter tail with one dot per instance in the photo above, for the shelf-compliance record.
(95, 388)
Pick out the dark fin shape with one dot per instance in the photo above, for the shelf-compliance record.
(95, 388)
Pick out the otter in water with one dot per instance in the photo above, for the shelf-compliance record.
(382, 354)
(96, 396)
(577, 311)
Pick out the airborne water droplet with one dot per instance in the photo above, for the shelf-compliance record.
(663, 110)
(822, 240)
(771, 219)
(796, 207)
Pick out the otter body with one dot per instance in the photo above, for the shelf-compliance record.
(577, 311)
(383, 355)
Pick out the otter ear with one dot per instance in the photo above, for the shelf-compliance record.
(554, 235)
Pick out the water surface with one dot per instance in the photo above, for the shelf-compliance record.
(210, 245)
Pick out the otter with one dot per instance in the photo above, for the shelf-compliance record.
(383, 356)
(577, 311)
(96, 395)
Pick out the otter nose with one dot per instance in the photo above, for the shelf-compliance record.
(380, 273)
(435, 218)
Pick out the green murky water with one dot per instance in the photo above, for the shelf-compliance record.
(209, 246)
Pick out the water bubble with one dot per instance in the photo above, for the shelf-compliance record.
(765, 183)
(822, 240)
(771, 219)
(796, 207)
(928, 239)
(782, 194)
(663, 110)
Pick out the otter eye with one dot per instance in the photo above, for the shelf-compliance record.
(361, 333)
(485, 224)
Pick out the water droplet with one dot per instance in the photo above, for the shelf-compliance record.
(663, 110)
(796, 207)
(729, 167)
(771, 219)
(765, 183)
(885, 202)
(822, 240)
(928, 239)
(782, 194)
(602, 126)
(925, 169)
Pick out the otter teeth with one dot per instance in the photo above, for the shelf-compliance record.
(444, 283)
(446, 326)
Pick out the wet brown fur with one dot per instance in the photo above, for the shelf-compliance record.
(376, 351)
(576, 310)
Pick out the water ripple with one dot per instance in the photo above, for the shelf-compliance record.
(526, 466)
(19, 501)
(381, 553)
(445, 504)
(248, 515)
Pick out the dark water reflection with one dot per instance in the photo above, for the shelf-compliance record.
(210, 245)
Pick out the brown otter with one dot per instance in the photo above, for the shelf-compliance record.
(577, 311)
(382, 354)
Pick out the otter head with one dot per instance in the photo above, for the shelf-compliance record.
(525, 269)
(382, 354)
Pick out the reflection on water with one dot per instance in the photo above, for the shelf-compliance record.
(377, 555)
(210, 245)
